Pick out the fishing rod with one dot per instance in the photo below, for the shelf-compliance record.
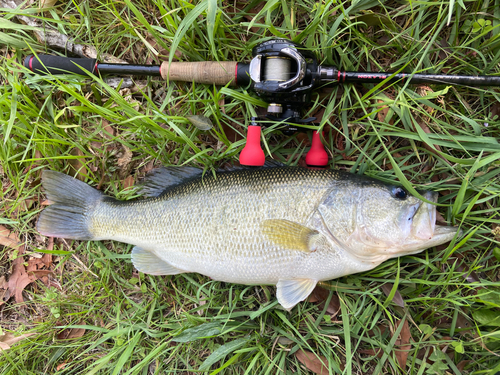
(281, 72)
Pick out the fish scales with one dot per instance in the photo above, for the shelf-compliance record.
(212, 225)
(289, 227)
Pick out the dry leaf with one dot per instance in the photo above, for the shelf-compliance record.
(108, 129)
(19, 279)
(4, 288)
(128, 182)
(462, 364)
(382, 114)
(320, 295)
(8, 238)
(47, 3)
(200, 122)
(402, 344)
(423, 91)
(71, 333)
(125, 159)
(314, 363)
(7, 340)
(47, 258)
(77, 166)
(60, 366)
(397, 299)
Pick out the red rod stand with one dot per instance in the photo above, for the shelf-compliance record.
(317, 156)
(252, 154)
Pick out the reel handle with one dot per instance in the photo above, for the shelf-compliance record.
(207, 72)
(48, 64)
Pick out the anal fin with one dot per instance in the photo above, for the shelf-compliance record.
(147, 262)
(291, 292)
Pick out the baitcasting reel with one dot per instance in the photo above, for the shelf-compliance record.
(283, 74)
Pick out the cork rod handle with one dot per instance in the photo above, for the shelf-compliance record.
(208, 72)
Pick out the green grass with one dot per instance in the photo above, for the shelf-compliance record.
(140, 324)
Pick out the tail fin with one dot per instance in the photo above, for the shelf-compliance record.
(68, 215)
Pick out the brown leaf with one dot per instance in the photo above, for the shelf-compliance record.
(47, 3)
(125, 159)
(320, 295)
(397, 299)
(463, 325)
(4, 287)
(8, 238)
(47, 258)
(128, 182)
(109, 129)
(77, 166)
(382, 114)
(71, 333)
(7, 340)
(314, 363)
(60, 366)
(402, 344)
(19, 279)
(423, 91)
(462, 364)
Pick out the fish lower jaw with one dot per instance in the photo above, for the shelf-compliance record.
(441, 235)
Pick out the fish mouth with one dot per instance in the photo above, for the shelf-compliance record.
(424, 232)
(424, 218)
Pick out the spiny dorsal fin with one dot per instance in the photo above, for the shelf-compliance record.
(268, 164)
(162, 178)
(291, 292)
(291, 235)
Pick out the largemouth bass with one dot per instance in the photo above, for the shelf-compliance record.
(283, 226)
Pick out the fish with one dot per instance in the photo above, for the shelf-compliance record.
(290, 227)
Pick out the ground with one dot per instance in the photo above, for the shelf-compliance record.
(73, 307)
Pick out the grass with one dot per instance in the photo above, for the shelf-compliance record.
(433, 137)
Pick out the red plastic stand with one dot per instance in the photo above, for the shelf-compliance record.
(252, 154)
(317, 156)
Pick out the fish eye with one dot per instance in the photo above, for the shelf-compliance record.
(399, 193)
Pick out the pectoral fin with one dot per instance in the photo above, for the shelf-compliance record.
(147, 262)
(291, 292)
(291, 235)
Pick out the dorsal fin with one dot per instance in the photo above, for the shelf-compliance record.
(268, 164)
(162, 178)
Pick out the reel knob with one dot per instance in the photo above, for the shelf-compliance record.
(317, 155)
(252, 154)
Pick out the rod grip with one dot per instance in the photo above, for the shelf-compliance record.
(209, 72)
(48, 64)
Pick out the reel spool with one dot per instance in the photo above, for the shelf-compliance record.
(277, 68)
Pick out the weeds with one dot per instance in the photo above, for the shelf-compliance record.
(93, 313)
